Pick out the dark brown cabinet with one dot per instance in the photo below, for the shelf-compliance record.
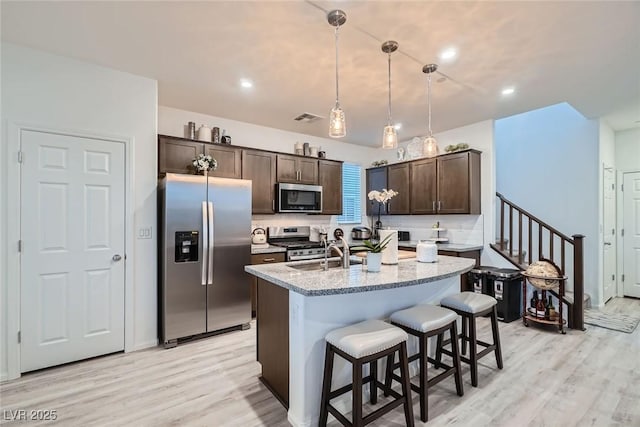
(268, 258)
(229, 160)
(260, 168)
(459, 183)
(376, 180)
(423, 187)
(447, 184)
(330, 178)
(398, 180)
(297, 169)
(175, 155)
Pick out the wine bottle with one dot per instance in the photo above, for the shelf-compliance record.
(552, 310)
(547, 309)
(534, 301)
(540, 308)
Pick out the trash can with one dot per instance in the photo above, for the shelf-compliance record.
(480, 279)
(507, 290)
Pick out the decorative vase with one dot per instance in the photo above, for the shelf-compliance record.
(390, 252)
(374, 260)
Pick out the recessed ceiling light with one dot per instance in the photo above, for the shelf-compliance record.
(398, 126)
(246, 83)
(447, 54)
(508, 91)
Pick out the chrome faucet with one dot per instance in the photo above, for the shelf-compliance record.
(344, 253)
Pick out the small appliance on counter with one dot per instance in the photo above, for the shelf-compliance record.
(403, 236)
(360, 233)
(259, 236)
(426, 251)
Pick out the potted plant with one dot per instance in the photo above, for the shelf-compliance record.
(374, 252)
(382, 197)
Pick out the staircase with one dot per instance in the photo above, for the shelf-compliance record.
(531, 239)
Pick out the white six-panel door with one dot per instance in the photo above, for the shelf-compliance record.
(609, 233)
(72, 230)
(631, 238)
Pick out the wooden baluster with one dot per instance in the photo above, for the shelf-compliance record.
(520, 259)
(563, 242)
(501, 225)
(551, 245)
(530, 242)
(578, 281)
(539, 240)
(510, 231)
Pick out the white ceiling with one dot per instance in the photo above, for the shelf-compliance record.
(584, 53)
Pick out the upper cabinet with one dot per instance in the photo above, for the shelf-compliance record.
(459, 183)
(376, 180)
(176, 155)
(298, 170)
(447, 184)
(398, 180)
(260, 168)
(330, 178)
(229, 160)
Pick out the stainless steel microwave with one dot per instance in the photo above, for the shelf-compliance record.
(299, 198)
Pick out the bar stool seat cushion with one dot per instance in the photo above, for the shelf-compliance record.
(469, 302)
(424, 317)
(366, 338)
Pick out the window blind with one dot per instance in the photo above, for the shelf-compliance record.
(351, 194)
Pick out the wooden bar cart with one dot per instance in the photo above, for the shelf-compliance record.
(543, 283)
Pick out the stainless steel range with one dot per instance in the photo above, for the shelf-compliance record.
(296, 240)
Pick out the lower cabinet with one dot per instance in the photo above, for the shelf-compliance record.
(262, 259)
(273, 338)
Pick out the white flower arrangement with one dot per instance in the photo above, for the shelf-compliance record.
(205, 163)
(382, 196)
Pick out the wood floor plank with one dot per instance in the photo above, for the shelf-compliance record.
(580, 379)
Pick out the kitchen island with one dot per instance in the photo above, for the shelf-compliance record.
(298, 304)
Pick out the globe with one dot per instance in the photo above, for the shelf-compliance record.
(544, 268)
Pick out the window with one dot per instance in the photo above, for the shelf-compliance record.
(351, 194)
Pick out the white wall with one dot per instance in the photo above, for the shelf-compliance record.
(173, 121)
(547, 162)
(61, 93)
(607, 159)
(628, 150)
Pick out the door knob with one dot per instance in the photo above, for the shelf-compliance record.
(607, 243)
(116, 257)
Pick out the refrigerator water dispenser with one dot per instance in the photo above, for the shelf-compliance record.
(186, 246)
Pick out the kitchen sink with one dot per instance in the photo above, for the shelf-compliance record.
(318, 265)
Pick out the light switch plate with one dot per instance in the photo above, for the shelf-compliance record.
(145, 232)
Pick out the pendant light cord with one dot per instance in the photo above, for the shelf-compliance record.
(389, 104)
(429, 101)
(337, 98)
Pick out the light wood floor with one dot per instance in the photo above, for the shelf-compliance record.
(578, 379)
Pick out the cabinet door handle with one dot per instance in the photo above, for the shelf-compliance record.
(273, 205)
(268, 260)
(439, 205)
(433, 205)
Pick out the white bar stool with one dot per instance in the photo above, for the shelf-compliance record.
(361, 343)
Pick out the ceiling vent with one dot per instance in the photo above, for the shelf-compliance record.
(307, 118)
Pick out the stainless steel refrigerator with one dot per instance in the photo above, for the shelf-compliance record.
(205, 226)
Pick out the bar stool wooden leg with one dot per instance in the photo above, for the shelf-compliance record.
(424, 407)
(438, 363)
(373, 389)
(357, 394)
(473, 350)
(456, 360)
(406, 385)
(389, 373)
(496, 336)
(326, 385)
(464, 336)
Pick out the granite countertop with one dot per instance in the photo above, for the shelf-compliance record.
(338, 280)
(269, 249)
(453, 247)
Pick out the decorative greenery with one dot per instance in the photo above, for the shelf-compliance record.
(205, 163)
(379, 163)
(456, 147)
(370, 246)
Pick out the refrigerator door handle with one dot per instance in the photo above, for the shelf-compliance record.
(210, 245)
(205, 244)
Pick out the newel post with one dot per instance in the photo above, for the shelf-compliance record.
(578, 281)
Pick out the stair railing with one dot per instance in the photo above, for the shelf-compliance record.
(557, 242)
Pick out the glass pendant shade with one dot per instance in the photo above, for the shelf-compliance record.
(430, 147)
(389, 137)
(337, 125)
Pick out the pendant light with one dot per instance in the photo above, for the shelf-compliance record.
(430, 145)
(337, 126)
(389, 135)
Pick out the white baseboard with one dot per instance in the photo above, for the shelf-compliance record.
(144, 345)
